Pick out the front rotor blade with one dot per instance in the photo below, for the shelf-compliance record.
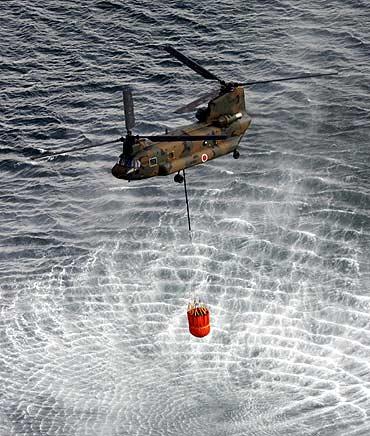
(192, 105)
(128, 106)
(179, 138)
(72, 150)
(191, 64)
(307, 76)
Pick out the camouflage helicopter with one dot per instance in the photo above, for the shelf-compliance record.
(219, 128)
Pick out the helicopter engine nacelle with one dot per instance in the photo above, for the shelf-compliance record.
(226, 120)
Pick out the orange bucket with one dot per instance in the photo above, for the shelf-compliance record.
(199, 320)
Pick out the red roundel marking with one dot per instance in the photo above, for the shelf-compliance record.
(204, 157)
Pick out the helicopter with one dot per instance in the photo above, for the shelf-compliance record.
(218, 131)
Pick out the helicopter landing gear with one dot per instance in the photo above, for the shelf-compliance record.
(179, 178)
(236, 154)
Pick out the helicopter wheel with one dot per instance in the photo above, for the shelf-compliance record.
(236, 154)
(178, 178)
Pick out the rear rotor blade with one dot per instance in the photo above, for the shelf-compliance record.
(72, 150)
(128, 106)
(192, 105)
(191, 64)
(179, 138)
(307, 76)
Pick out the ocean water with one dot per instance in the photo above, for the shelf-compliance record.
(96, 273)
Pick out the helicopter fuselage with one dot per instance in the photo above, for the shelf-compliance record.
(225, 115)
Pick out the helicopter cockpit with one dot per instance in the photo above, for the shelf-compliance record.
(129, 163)
(126, 167)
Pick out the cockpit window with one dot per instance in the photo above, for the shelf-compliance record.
(153, 161)
(129, 163)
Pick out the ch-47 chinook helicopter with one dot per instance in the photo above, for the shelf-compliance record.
(218, 131)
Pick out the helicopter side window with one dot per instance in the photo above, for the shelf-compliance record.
(153, 161)
(205, 143)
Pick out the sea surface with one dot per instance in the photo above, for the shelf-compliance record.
(96, 273)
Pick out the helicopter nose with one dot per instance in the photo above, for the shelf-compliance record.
(119, 171)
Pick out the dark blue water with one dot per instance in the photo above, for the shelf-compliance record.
(96, 273)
